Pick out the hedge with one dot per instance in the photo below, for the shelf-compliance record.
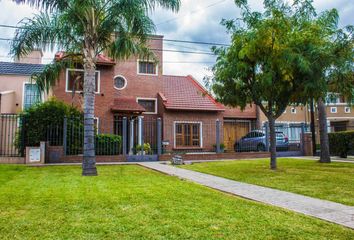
(108, 144)
(44, 122)
(341, 143)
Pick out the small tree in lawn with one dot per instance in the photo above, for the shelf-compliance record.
(268, 61)
(84, 29)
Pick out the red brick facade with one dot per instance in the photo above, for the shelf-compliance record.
(153, 87)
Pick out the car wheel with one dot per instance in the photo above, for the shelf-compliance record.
(260, 148)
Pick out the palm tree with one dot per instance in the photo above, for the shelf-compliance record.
(84, 29)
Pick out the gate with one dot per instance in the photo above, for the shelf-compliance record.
(12, 136)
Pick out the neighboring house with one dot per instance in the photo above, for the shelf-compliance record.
(340, 116)
(137, 87)
(16, 89)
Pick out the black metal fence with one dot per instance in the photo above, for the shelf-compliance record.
(11, 142)
(149, 136)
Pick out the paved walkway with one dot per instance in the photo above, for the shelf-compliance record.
(326, 210)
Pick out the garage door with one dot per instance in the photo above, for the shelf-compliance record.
(233, 131)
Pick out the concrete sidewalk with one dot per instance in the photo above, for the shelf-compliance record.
(322, 209)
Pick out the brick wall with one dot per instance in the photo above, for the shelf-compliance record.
(221, 156)
(145, 86)
(208, 120)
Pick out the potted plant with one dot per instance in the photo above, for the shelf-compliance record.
(222, 147)
(143, 149)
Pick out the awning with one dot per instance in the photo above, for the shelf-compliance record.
(126, 104)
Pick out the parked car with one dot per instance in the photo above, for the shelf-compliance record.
(256, 141)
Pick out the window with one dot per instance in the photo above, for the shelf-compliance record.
(31, 95)
(75, 80)
(333, 110)
(293, 110)
(120, 82)
(188, 135)
(347, 110)
(147, 67)
(149, 104)
(332, 98)
(96, 122)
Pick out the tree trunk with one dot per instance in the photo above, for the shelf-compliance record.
(322, 116)
(273, 150)
(313, 128)
(89, 161)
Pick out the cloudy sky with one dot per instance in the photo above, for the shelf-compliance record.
(197, 20)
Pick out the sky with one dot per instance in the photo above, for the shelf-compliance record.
(197, 20)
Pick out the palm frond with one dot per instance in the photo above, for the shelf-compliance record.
(50, 75)
(50, 5)
(42, 31)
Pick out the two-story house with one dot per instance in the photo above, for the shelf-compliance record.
(137, 87)
(134, 88)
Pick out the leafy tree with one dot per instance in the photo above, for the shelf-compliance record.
(84, 29)
(338, 76)
(271, 58)
(41, 119)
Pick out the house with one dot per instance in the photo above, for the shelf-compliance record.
(340, 116)
(17, 92)
(137, 88)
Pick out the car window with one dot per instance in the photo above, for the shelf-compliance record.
(279, 135)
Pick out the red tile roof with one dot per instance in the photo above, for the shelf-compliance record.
(126, 104)
(185, 93)
(101, 59)
(249, 112)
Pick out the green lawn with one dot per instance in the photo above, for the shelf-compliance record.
(334, 182)
(130, 202)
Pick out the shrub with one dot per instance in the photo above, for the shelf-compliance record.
(108, 144)
(146, 148)
(43, 122)
(341, 143)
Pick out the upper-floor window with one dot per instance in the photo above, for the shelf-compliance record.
(75, 80)
(147, 67)
(120, 82)
(332, 98)
(293, 110)
(347, 110)
(149, 104)
(333, 110)
(31, 95)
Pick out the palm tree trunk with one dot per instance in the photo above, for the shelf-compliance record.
(273, 150)
(89, 161)
(322, 116)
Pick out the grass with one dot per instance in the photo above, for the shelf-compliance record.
(334, 182)
(130, 202)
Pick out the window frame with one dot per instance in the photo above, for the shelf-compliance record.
(23, 93)
(147, 74)
(125, 84)
(349, 110)
(293, 110)
(81, 70)
(334, 108)
(200, 134)
(149, 99)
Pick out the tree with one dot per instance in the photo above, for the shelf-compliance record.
(84, 29)
(338, 76)
(269, 62)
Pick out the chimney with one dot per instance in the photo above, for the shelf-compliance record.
(34, 57)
